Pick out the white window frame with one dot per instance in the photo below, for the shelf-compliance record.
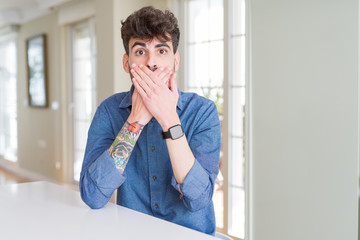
(71, 129)
(9, 35)
(180, 7)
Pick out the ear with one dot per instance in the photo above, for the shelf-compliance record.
(126, 63)
(177, 61)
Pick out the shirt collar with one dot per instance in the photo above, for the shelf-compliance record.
(126, 101)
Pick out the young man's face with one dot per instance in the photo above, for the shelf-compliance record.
(151, 53)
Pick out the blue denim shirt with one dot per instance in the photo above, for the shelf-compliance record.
(148, 184)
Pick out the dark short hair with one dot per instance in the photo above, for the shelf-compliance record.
(148, 23)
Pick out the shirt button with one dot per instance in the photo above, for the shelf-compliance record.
(152, 148)
(152, 120)
(154, 178)
(156, 206)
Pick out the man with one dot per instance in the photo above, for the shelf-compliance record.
(157, 146)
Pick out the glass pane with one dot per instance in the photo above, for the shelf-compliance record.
(216, 19)
(237, 212)
(237, 163)
(217, 96)
(218, 200)
(8, 101)
(199, 65)
(196, 90)
(81, 130)
(236, 189)
(238, 112)
(238, 63)
(83, 103)
(238, 13)
(84, 88)
(2, 143)
(198, 20)
(82, 74)
(11, 148)
(216, 63)
(82, 44)
(79, 156)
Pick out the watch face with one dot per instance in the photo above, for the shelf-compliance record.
(176, 132)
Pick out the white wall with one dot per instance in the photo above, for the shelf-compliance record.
(43, 132)
(304, 119)
(39, 129)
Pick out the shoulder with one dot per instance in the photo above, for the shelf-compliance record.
(114, 101)
(198, 110)
(198, 114)
(193, 100)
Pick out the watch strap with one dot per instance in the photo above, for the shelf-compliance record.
(169, 134)
(166, 135)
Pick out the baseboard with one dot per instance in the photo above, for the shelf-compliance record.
(23, 173)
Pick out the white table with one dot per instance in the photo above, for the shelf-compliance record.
(42, 210)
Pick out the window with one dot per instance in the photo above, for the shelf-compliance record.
(8, 100)
(237, 93)
(82, 90)
(210, 40)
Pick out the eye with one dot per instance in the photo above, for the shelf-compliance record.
(140, 52)
(162, 51)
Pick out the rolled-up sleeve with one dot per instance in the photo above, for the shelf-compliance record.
(205, 143)
(99, 177)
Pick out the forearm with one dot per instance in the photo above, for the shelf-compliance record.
(181, 156)
(195, 168)
(123, 145)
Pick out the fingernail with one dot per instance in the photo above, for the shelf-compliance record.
(161, 69)
(132, 70)
(133, 65)
(141, 65)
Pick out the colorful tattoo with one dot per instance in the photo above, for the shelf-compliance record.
(124, 143)
(135, 127)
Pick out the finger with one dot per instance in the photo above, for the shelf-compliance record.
(161, 73)
(173, 83)
(145, 72)
(142, 84)
(159, 70)
(144, 77)
(165, 76)
(167, 79)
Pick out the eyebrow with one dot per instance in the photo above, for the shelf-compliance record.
(138, 43)
(162, 45)
(144, 45)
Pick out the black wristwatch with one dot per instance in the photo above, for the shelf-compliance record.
(174, 132)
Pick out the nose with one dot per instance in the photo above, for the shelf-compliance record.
(151, 62)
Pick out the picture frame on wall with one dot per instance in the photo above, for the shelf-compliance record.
(37, 71)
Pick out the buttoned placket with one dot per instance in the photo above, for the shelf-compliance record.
(153, 178)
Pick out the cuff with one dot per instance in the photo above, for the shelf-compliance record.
(195, 183)
(105, 175)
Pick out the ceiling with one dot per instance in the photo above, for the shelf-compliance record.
(21, 11)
